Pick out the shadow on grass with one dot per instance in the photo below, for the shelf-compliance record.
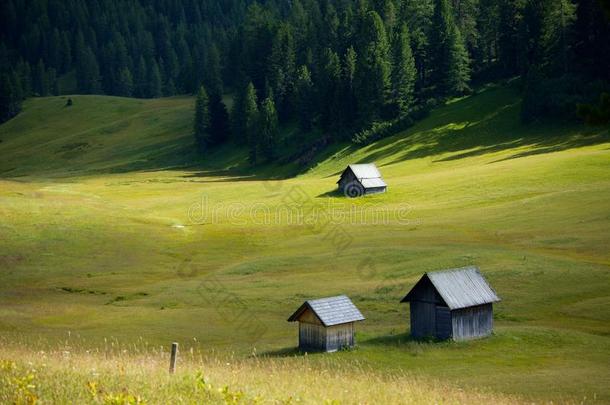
(289, 352)
(401, 340)
(332, 193)
(474, 126)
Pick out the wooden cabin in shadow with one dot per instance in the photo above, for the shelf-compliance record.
(326, 324)
(358, 180)
(452, 304)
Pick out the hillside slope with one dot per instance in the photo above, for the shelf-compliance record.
(96, 134)
(123, 241)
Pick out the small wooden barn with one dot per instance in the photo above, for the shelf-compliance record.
(452, 304)
(361, 179)
(326, 324)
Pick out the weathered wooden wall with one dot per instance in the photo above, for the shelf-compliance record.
(423, 310)
(345, 179)
(472, 322)
(339, 336)
(315, 336)
(332, 338)
(311, 336)
(443, 322)
(375, 190)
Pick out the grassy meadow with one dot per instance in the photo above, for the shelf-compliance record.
(113, 230)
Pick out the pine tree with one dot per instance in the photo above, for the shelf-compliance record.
(282, 69)
(329, 85)
(213, 75)
(154, 81)
(219, 120)
(88, 72)
(373, 67)
(141, 79)
(450, 63)
(458, 75)
(558, 35)
(250, 114)
(403, 70)
(202, 119)
(238, 115)
(11, 95)
(304, 98)
(41, 84)
(268, 130)
(124, 85)
(349, 77)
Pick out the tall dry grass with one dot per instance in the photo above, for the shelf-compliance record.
(138, 374)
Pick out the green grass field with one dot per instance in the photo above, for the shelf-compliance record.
(112, 228)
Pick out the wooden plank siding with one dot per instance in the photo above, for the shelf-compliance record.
(339, 337)
(472, 322)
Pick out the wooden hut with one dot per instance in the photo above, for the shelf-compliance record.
(361, 179)
(326, 324)
(452, 304)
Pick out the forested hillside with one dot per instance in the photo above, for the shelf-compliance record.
(348, 70)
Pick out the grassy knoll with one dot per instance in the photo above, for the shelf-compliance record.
(120, 239)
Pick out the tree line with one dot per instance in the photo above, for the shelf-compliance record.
(339, 67)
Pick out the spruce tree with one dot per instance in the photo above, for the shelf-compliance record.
(141, 79)
(558, 36)
(124, 85)
(238, 115)
(304, 98)
(11, 95)
(329, 85)
(250, 114)
(219, 120)
(268, 131)
(155, 86)
(373, 67)
(87, 73)
(349, 110)
(202, 119)
(458, 75)
(403, 70)
(282, 70)
(450, 65)
(41, 83)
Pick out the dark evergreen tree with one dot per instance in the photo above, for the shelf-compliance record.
(155, 86)
(304, 98)
(250, 114)
(201, 125)
(268, 131)
(10, 95)
(140, 88)
(219, 120)
(238, 115)
(450, 65)
(124, 84)
(329, 88)
(282, 70)
(41, 82)
(349, 108)
(88, 73)
(403, 70)
(373, 67)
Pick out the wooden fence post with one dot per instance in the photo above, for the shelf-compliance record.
(172, 359)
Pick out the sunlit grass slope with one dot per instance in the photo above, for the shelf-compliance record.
(96, 134)
(124, 241)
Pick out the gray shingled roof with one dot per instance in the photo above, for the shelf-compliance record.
(331, 311)
(461, 288)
